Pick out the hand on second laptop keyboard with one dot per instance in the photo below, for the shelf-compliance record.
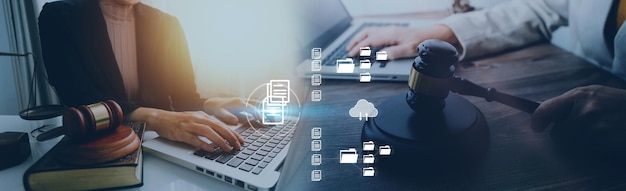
(402, 41)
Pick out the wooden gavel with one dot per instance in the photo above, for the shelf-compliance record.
(95, 134)
(432, 78)
(87, 121)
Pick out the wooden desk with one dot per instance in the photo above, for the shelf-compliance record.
(158, 174)
(517, 158)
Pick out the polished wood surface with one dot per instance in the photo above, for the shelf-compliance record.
(518, 158)
(107, 147)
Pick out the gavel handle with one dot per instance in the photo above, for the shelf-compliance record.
(466, 87)
(52, 133)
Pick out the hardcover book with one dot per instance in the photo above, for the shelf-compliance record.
(50, 173)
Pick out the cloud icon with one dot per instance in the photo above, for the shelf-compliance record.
(363, 108)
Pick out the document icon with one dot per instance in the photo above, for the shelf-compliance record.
(384, 150)
(365, 64)
(273, 112)
(365, 51)
(316, 65)
(368, 171)
(365, 77)
(316, 133)
(316, 53)
(345, 65)
(316, 95)
(316, 79)
(316, 175)
(348, 156)
(368, 159)
(316, 145)
(316, 159)
(368, 146)
(278, 91)
(381, 55)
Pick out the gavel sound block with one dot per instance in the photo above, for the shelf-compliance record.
(428, 127)
(95, 134)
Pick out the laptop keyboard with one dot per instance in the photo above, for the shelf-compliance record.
(341, 53)
(260, 148)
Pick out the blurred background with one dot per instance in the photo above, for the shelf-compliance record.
(235, 45)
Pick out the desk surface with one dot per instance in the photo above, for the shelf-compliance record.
(517, 158)
(158, 173)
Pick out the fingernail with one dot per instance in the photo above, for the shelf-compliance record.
(234, 120)
(210, 148)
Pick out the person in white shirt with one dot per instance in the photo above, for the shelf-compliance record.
(592, 115)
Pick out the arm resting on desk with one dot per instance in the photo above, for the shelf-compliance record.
(507, 25)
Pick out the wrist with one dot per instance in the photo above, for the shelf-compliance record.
(444, 33)
(206, 105)
(209, 105)
(148, 115)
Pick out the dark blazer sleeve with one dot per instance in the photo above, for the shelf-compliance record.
(183, 92)
(67, 71)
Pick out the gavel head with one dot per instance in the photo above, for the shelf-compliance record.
(430, 76)
(87, 121)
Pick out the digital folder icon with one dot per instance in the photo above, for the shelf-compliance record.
(368, 146)
(365, 51)
(381, 55)
(384, 150)
(348, 156)
(368, 159)
(365, 77)
(345, 66)
(365, 64)
(368, 171)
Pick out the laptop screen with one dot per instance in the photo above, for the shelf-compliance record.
(321, 22)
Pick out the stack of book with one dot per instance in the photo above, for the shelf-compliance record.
(52, 173)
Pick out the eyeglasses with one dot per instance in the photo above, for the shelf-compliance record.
(46, 132)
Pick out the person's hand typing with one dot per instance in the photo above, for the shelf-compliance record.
(227, 109)
(402, 42)
(188, 127)
(591, 117)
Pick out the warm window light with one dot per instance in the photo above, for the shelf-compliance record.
(237, 46)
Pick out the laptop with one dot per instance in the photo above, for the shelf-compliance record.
(326, 25)
(255, 167)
